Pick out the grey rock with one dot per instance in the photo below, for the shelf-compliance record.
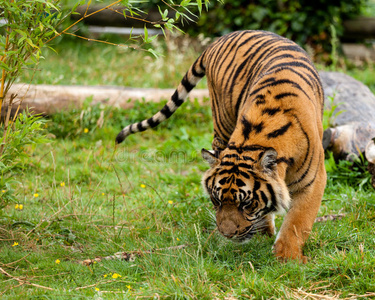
(354, 121)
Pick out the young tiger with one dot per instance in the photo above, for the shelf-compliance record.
(267, 104)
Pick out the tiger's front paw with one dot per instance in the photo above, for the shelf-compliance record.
(285, 251)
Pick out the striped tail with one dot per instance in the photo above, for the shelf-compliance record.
(190, 80)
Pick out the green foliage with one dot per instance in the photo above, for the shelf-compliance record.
(349, 173)
(306, 22)
(28, 27)
(16, 146)
(330, 114)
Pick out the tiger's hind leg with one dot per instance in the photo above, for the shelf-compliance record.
(299, 220)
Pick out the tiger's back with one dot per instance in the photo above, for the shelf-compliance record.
(267, 104)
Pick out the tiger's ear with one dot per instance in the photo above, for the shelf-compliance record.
(268, 161)
(210, 157)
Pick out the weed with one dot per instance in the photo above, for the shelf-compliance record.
(330, 114)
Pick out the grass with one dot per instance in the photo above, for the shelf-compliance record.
(93, 63)
(83, 198)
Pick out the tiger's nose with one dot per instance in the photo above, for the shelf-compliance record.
(228, 229)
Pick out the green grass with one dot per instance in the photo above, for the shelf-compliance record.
(94, 200)
(82, 198)
(80, 62)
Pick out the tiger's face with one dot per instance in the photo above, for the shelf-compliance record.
(245, 188)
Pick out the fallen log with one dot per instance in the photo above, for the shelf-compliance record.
(49, 99)
(359, 28)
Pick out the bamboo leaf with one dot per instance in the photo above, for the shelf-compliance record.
(145, 34)
(199, 4)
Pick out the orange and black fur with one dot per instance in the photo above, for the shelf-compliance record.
(267, 104)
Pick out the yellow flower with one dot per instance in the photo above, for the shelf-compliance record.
(103, 194)
(129, 287)
(143, 186)
(36, 195)
(86, 130)
(15, 244)
(115, 275)
(57, 261)
(62, 184)
(170, 202)
(177, 239)
(19, 206)
(97, 289)
(105, 275)
(3, 191)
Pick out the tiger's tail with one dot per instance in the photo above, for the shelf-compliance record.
(190, 80)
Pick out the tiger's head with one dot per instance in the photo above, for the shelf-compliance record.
(244, 186)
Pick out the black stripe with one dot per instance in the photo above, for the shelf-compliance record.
(259, 127)
(268, 80)
(256, 186)
(247, 158)
(259, 99)
(247, 127)
(187, 84)
(223, 180)
(304, 174)
(140, 127)
(131, 129)
(152, 123)
(206, 182)
(264, 198)
(288, 161)
(227, 163)
(247, 148)
(233, 155)
(283, 95)
(240, 183)
(166, 111)
(194, 68)
(314, 177)
(272, 193)
(271, 111)
(280, 131)
(176, 100)
(246, 166)
(308, 142)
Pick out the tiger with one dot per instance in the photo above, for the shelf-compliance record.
(267, 156)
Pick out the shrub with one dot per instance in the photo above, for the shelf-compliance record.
(306, 22)
(16, 144)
